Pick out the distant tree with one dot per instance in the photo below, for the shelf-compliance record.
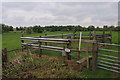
(29, 30)
(111, 28)
(5, 28)
(117, 28)
(105, 27)
(10, 28)
(17, 28)
(91, 28)
(37, 29)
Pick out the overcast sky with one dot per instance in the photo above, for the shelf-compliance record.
(59, 13)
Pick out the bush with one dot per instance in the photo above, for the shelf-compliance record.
(37, 29)
(29, 30)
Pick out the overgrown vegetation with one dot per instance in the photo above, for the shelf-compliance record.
(25, 66)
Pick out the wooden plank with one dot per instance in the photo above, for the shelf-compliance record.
(60, 42)
(81, 37)
(31, 38)
(83, 41)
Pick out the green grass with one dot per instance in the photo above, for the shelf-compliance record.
(11, 40)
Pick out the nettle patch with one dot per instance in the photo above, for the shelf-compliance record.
(30, 66)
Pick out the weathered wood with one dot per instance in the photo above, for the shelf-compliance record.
(4, 58)
(46, 42)
(32, 38)
(87, 55)
(22, 41)
(27, 49)
(62, 35)
(103, 36)
(68, 53)
(94, 35)
(83, 41)
(81, 38)
(60, 42)
(94, 56)
(40, 50)
(90, 35)
(111, 36)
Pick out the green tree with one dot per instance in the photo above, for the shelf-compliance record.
(37, 29)
(91, 28)
(11, 28)
(29, 30)
(105, 27)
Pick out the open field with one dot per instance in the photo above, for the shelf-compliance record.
(12, 41)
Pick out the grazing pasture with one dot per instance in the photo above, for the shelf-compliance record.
(11, 40)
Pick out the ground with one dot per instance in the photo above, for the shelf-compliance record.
(50, 64)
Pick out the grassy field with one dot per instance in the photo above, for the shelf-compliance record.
(11, 40)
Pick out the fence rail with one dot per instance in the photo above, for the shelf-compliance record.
(108, 62)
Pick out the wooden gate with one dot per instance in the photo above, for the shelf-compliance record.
(109, 57)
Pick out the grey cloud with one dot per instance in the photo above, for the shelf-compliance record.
(77, 13)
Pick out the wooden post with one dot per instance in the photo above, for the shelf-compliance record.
(46, 42)
(103, 36)
(87, 55)
(22, 41)
(94, 56)
(4, 57)
(40, 50)
(94, 35)
(63, 54)
(90, 35)
(27, 49)
(62, 35)
(68, 53)
(111, 36)
(73, 35)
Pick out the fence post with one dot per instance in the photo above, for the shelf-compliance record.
(40, 50)
(90, 35)
(27, 49)
(22, 41)
(94, 35)
(111, 36)
(4, 57)
(94, 55)
(68, 53)
(87, 55)
(103, 36)
(46, 37)
(62, 35)
(73, 35)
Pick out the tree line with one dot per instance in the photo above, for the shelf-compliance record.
(53, 28)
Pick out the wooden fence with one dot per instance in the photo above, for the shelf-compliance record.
(103, 37)
(66, 48)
